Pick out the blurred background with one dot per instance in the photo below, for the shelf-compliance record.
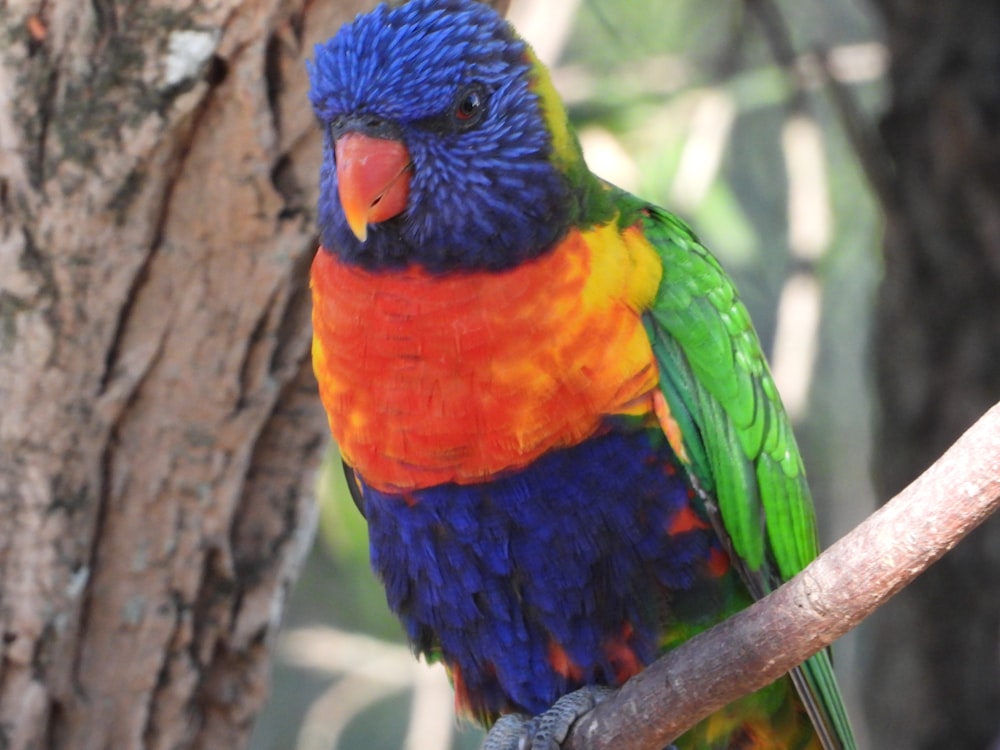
(746, 119)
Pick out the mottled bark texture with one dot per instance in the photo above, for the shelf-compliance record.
(158, 418)
(934, 653)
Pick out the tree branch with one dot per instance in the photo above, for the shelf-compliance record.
(500, 6)
(831, 596)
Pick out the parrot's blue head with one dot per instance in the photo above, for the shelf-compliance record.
(445, 145)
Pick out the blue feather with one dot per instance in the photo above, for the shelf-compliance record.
(563, 551)
(485, 198)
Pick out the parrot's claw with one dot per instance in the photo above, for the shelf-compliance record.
(507, 733)
(546, 731)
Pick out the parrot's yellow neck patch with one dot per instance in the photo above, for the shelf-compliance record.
(565, 148)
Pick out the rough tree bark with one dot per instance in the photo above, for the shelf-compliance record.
(935, 653)
(158, 420)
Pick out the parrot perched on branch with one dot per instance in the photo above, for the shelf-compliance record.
(551, 404)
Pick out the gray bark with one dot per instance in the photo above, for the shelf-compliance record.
(934, 667)
(158, 418)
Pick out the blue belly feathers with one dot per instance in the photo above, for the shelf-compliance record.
(545, 579)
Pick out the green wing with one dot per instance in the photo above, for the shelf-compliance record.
(740, 448)
(716, 381)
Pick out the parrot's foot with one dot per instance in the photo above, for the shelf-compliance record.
(546, 731)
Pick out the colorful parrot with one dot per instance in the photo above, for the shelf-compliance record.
(551, 404)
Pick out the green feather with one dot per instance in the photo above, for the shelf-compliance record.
(743, 451)
(739, 443)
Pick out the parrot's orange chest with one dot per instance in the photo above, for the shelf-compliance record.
(454, 378)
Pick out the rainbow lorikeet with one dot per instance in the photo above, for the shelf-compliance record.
(551, 404)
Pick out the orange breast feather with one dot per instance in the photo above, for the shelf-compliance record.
(429, 379)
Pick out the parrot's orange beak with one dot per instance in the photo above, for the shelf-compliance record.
(373, 179)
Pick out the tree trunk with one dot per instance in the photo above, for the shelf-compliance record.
(934, 678)
(158, 421)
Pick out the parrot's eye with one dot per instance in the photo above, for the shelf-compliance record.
(470, 106)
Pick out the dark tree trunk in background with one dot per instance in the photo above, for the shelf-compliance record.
(158, 417)
(934, 679)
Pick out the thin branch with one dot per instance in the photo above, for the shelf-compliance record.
(871, 152)
(779, 39)
(839, 589)
(500, 6)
